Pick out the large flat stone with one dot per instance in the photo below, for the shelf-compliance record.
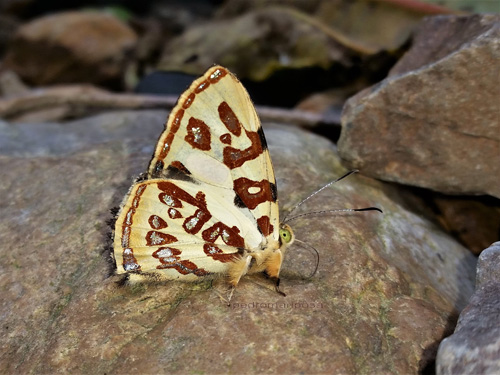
(435, 122)
(386, 292)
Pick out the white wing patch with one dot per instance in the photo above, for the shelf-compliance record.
(209, 170)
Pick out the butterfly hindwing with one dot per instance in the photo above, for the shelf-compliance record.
(162, 216)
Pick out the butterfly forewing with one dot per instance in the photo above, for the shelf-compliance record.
(214, 136)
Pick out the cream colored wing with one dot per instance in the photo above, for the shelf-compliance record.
(213, 136)
(181, 229)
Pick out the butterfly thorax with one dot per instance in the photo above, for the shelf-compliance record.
(267, 258)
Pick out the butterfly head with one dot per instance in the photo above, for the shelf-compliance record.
(286, 235)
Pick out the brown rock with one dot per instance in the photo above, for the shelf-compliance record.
(8, 26)
(436, 126)
(386, 286)
(71, 47)
(375, 25)
(475, 222)
(243, 44)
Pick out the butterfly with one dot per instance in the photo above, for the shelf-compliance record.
(208, 203)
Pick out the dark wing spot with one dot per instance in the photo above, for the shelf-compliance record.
(238, 202)
(274, 191)
(158, 169)
(141, 177)
(262, 138)
(177, 164)
(176, 173)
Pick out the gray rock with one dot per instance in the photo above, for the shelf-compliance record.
(59, 139)
(474, 348)
(488, 268)
(434, 123)
(380, 302)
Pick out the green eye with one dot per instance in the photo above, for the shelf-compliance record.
(286, 234)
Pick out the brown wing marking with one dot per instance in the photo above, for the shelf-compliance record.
(265, 225)
(217, 254)
(229, 235)
(198, 134)
(173, 196)
(169, 258)
(253, 193)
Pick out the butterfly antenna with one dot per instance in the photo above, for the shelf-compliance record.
(305, 244)
(316, 192)
(330, 211)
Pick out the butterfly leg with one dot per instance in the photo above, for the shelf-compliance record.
(238, 269)
(273, 267)
(227, 300)
(230, 295)
(277, 287)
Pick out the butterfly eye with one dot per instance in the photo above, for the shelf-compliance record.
(286, 235)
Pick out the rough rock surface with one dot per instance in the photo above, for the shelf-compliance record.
(298, 42)
(474, 348)
(86, 47)
(388, 288)
(435, 122)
